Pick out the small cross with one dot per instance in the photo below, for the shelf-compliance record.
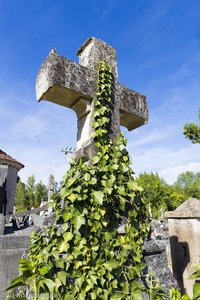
(73, 85)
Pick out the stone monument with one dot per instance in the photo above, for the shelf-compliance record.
(9, 167)
(11, 247)
(51, 187)
(73, 85)
(184, 232)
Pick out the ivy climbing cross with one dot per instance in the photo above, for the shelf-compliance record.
(73, 85)
(82, 254)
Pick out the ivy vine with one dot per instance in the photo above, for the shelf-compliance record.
(83, 255)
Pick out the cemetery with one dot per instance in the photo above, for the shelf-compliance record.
(94, 240)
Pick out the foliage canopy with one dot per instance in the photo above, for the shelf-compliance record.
(192, 131)
(30, 194)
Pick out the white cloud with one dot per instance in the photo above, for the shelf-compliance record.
(34, 134)
(168, 162)
(160, 145)
(42, 163)
(154, 135)
(110, 7)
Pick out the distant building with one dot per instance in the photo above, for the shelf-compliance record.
(9, 167)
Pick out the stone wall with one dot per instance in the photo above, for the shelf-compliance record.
(11, 186)
(8, 179)
(184, 232)
(11, 250)
(3, 173)
(3, 178)
(185, 249)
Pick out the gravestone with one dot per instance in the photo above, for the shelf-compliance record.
(73, 85)
(184, 232)
(51, 187)
(11, 248)
(155, 257)
(9, 167)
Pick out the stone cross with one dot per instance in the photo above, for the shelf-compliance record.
(73, 85)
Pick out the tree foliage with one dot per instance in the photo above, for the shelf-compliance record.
(158, 194)
(29, 194)
(164, 197)
(188, 183)
(20, 196)
(192, 131)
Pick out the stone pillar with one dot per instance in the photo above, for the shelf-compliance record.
(155, 257)
(9, 167)
(51, 187)
(184, 232)
(2, 224)
(11, 187)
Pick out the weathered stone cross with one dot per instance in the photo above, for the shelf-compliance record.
(73, 85)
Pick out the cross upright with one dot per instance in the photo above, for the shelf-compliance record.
(73, 85)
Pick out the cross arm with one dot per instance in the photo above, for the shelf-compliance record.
(133, 107)
(63, 81)
(72, 85)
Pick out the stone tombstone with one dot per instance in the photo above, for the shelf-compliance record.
(155, 257)
(184, 232)
(51, 187)
(12, 248)
(73, 85)
(9, 168)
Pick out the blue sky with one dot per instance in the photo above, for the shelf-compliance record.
(158, 52)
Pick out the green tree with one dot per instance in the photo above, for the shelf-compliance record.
(188, 184)
(30, 188)
(158, 194)
(40, 193)
(175, 199)
(20, 196)
(30, 194)
(192, 131)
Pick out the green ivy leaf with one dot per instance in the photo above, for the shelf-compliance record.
(66, 216)
(49, 283)
(117, 296)
(87, 177)
(43, 270)
(98, 197)
(111, 264)
(137, 294)
(62, 276)
(72, 197)
(43, 296)
(70, 182)
(60, 263)
(132, 185)
(67, 236)
(78, 221)
(81, 296)
(93, 180)
(196, 290)
(18, 281)
(121, 190)
(79, 281)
